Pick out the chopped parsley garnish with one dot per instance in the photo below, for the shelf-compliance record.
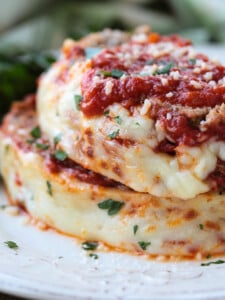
(57, 138)
(115, 73)
(135, 229)
(112, 206)
(208, 256)
(30, 141)
(42, 146)
(3, 206)
(60, 155)
(89, 246)
(216, 262)
(137, 123)
(49, 187)
(114, 134)
(93, 255)
(7, 147)
(78, 99)
(11, 245)
(118, 120)
(36, 132)
(165, 69)
(192, 61)
(91, 52)
(106, 113)
(144, 245)
(201, 226)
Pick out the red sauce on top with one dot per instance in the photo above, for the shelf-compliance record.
(177, 78)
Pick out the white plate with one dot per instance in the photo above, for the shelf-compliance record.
(50, 266)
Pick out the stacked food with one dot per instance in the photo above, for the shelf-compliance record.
(124, 144)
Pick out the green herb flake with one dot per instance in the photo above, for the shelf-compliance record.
(137, 124)
(165, 70)
(78, 99)
(217, 262)
(93, 255)
(135, 229)
(208, 256)
(30, 141)
(114, 134)
(60, 257)
(36, 132)
(11, 245)
(89, 246)
(60, 155)
(144, 245)
(192, 61)
(3, 206)
(57, 138)
(112, 206)
(115, 73)
(106, 113)
(118, 120)
(49, 187)
(201, 226)
(42, 146)
(150, 61)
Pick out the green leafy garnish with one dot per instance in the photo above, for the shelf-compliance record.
(78, 99)
(106, 113)
(165, 69)
(36, 132)
(201, 226)
(112, 206)
(217, 262)
(192, 61)
(42, 146)
(93, 255)
(89, 246)
(114, 134)
(118, 120)
(57, 138)
(135, 229)
(115, 73)
(49, 187)
(11, 245)
(60, 155)
(144, 245)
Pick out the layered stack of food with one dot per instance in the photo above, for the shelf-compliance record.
(124, 144)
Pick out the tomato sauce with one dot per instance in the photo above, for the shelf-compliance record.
(196, 86)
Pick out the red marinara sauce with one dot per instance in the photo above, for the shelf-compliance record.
(164, 69)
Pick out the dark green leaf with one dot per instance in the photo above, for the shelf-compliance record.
(78, 99)
(57, 138)
(42, 146)
(192, 61)
(112, 206)
(49, 187)
(11, 245)
(106, 113)
(144, 245)
(60, 155)
(135, 229)
(115, 73)
(201, 226)
(36, 132)
(165, 70)
(89, 245)
(118, 120)
(114, 134)
(217, 262)
(93, 255)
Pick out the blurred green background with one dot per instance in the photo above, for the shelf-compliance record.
(30, 28)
